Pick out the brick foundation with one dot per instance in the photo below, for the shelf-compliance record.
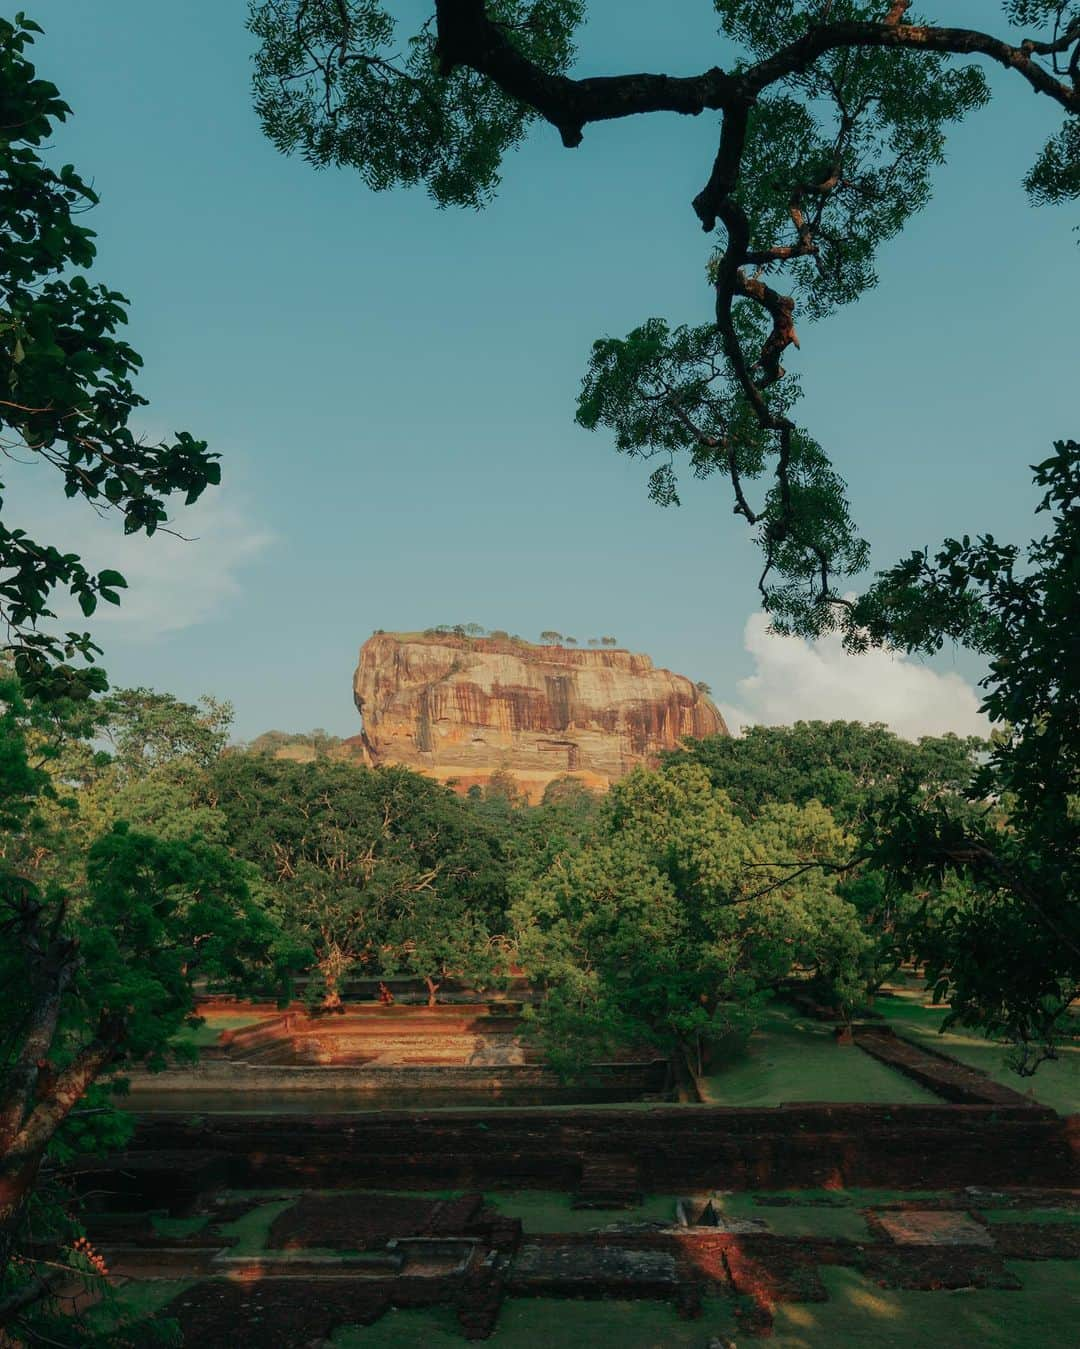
(672, 1149)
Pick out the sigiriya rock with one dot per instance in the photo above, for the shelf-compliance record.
(462, 709)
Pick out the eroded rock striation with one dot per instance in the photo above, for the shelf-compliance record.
(466, 708)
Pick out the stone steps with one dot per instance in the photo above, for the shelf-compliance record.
(609, 1182)
(342, 1044)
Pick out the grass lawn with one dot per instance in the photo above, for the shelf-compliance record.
(537, 1323)
(539, 1211)
(165, 1226)
(1030, 1215)
(792, 1058)
(215, 1023)
(1056, 1084)
(253, 1229)
(549, 1211)
(137, 1298)
(1044, 1314)
(798, 1221)
(837, 1215)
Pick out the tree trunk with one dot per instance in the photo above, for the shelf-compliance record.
(35, 1288)
(681, 1060)
(23, 1082)
(22, 1154)
(331, 1001)
(18, 1171)
(432, 990)
(333, 966)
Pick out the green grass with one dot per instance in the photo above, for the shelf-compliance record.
(1045, 1314)
(419, 1194)
(539, 1211)
(1030, 1215)
(137, 1298)
(178, 1227)
(536, 1323)
(549, 1211)
(253, 1229)
(1056, 1084)
(795, 1220)
(265, 1192)
(211, 1028)
(792, 1058)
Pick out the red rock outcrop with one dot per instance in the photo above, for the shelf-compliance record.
(465, 708)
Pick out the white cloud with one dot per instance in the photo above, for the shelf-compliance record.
(173, 582)
(798, 680)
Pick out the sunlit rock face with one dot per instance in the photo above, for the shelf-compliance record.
(466, 708)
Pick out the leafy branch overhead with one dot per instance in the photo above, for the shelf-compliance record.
(66, 381)
(833, 117)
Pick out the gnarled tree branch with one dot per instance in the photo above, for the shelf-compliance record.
(468, 37)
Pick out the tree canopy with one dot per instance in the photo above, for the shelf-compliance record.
(101, 943)
(69, 396)
(1001, 929)
(833, 118)
(847, 766)
(667, 922)
(376, 870)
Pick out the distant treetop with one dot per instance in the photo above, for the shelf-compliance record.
(549, 637)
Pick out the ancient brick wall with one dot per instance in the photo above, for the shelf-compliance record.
(820, 1146)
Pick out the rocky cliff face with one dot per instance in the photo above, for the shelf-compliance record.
(467, 708)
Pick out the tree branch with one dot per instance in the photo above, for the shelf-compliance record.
(56, 967)
(68, 1089)
(468, 37)
(36, 1288)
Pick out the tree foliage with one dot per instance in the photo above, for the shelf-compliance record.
(148, 730)
(336, 83)
(314, 744)
(67, 382)
(833, 120)
(1001, 930)
(666, 924)
(97, 969)
(847, 766)
(375, 870)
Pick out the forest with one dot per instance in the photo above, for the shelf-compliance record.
(149, 859)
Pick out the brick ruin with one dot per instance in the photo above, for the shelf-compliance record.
(474, 1051)
(659, 1149)
(981, 1145)
(399, 1251)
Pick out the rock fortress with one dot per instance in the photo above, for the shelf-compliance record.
(461, 709)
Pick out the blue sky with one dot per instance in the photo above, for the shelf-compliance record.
(392, 386)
